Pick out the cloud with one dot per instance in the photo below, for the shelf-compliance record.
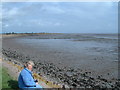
(62, 16)
(58, 24)
(44, 23)
(53, 9)
(10, 13)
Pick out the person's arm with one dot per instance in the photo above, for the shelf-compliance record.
(28, 80)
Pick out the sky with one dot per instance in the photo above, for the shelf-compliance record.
(60, 17)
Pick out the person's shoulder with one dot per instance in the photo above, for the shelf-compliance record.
(23, 71)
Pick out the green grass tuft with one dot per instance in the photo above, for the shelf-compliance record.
(8, 81)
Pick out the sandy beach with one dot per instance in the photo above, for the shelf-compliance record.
(77, 60)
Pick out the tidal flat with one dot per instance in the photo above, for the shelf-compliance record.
(77, 60)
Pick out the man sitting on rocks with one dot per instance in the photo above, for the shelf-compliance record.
(25, 79)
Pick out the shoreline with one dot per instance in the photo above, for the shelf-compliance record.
(35, 34)
(24, 34)
(64, 75)
(86, 81)
(13, 67)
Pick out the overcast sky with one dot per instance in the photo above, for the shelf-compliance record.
(60, 17)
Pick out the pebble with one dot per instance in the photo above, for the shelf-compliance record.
(71, 77)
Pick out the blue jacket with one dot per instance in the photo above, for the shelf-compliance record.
(25, 79)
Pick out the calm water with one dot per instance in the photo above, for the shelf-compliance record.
(100, 45)
(91, 52)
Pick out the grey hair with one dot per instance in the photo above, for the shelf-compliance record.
(29, 63)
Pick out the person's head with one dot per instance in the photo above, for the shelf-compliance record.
(29, 65)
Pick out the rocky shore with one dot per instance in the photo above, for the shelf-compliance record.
(68, 77)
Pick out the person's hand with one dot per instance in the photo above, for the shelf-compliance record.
(36, 82)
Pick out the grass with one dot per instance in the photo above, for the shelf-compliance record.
(0, 76)
(7, 81)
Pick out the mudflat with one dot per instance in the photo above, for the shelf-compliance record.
(61, 56)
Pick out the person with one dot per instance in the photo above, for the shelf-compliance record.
(26, 80)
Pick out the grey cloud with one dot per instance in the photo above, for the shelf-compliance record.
(62, 17)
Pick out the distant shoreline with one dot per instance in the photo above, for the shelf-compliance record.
(11, 35)
(45, 57)
(51, 33)
(5, 35)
